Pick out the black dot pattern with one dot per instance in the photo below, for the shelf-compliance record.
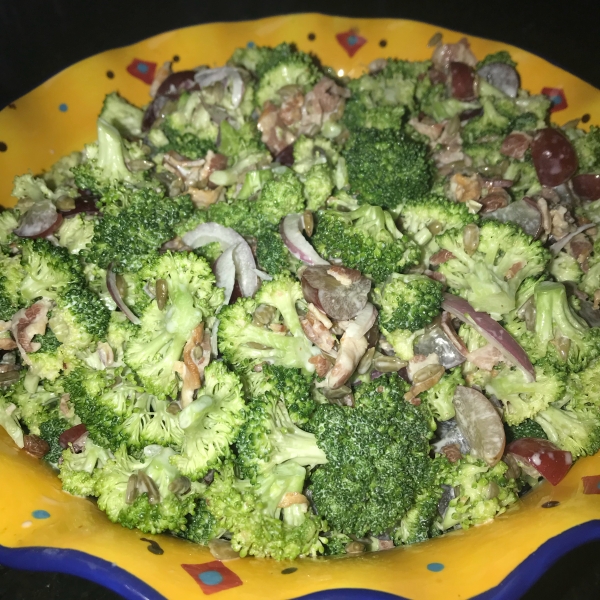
(176, 58)
(585, 118)
(110, 74)
(3, 147)
(550, 504)
(289, 570)
(312, 37)
(383, 43)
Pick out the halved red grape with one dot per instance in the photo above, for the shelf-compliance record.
(462, 81)
(554, 157)
(587, 186)
(548, 460)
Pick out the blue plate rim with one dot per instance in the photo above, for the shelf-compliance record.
(117, 579)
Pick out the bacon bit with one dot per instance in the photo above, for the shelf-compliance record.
(275, 134)
(317, 332)
(580, 248)
(596, 299)
(278, 327)
(435, 275)
(452, 452)
(291, 498)
(322, 365)
(431, 130)
(291, 108)
(440, 257)
(191, 374)
(491, 184)
(161, 74)
(320, 315)
(449, 156)
(415, 401)
(465, 188)
(486, 357)
(28, 322)
(65, 408)
(344, 275)
(460, 52)
(514, 270)
(325, 102)
(560, 227)
(419, 362)
(7, 368)
(516, 144)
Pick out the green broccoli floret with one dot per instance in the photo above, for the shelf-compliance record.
(590, 282)
(9, 421)
(60, 174)
(490, 277)
(246, 344)
(8, 223)
(501, 56)
(268, 438)
(29, 190)
(484, 153)
(202, 525)
(210, 423)
(424, 218)
(280, 197)
(587, 148)
(239, 216)
(283, 66)
(527, 122)
(439, 397)
(522, 399)
(76, 234)
(366, 239)
(272, 254)
(572, 430)
(76, 471)
(565, 267)
(434, 101)
(122, 115)
(11, 275)
(483, 492)
(491, 123)
(48, 270)
(386, 166)
(242, 142)
(156, 508)
(128, 237)
(407, 304)
(524, 178)
(537, 104)
(50, 431)
(525, 429)
(241, 509)
(158, 343)
(318, 186)
(584, 388)
(47, 362)
(374, 474)
(309, 152)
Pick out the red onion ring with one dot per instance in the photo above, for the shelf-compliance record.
(224, 270)
(41, 220)
(291, 228)
(492, 331)
(558, 246)
(111, 284)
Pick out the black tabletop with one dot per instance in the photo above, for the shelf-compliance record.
(40, 37)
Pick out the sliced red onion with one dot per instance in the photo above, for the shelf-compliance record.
(558, 246)
(502, 76)
(224, 270)
(207, 77)
(83, 204)
(492, 331)
(41, 220)
(362, 322)
(71, 435)
(207, 233)
(262, 275)
(291, 231)
(111, 284)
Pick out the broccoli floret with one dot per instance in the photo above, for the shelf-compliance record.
(424, 218)
(537, 104)
(156, 508)
(491, 123)
(524, 178)
(60, 174)
(280, 197)
(434, 101)
(484, 154)
(366, 239)
(526, 429)
(483, 492)
(268, 438)
(501, 56)
(309, 152)
(240, 338)
(127, 238)
(9, 421)
(584, 388)
(318, 185)
(439, 397)
(272, 254)
(590, 282)
(48, 270)
(158, 344)
(253, 183)
(490, 277)
(202, 525)
(47, 362)
(242, 142)
(572, 430)
(386, 167)
(528, 121)
(239, 216)
(76, 234)
(76, 471)
(565, 267)
(240, 509)
(522, 399)
(8, 223)
(210, 423)
(283, 66)
(587, 148)
(29, 189)
(374, 474)
(122, 115)
(50, 431)
(11, 275)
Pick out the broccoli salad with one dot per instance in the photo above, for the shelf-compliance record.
(284, 313)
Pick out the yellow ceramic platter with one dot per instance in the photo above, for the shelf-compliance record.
(42, 527)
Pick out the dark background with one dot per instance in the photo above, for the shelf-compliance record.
(41, 37)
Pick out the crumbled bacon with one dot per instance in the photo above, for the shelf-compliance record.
(322, 365)
(514, 269)
(444, 54)
(275, 133)
(486, 357)
(515, 145)
(432, 130)
(465, 187)
(317, 332)
(580, 247)
(440, 257)
(452, 452)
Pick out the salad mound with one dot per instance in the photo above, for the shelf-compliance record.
(282, 313)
